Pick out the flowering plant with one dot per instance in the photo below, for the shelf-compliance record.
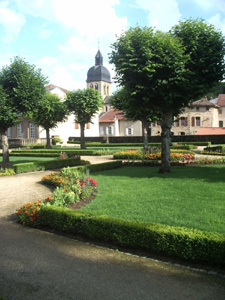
(71, 186)
(28, 214)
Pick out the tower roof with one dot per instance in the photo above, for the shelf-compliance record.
(98, 72)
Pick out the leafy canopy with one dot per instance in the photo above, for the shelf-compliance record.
(49, 111)
(84, 104)
(23, 84)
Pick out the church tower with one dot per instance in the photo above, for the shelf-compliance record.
(98, 77)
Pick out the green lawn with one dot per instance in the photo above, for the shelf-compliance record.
(22, 159)
(192, 197)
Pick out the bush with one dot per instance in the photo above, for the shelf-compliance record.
(47, 165)
(6, 172)
(189, 244)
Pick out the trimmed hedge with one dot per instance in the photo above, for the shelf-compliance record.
(193, 143)
(218, 149)
(47, 165)
(183, 147)
(188, 244)
(100, 167)
(49, 152)
(99, 144)
(213, 153)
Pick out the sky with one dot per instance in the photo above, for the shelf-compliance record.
(62, 37)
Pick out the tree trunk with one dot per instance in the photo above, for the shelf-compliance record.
(82, 141)
(5, 151)
(48, 144)
(145, 134)
(166, 124)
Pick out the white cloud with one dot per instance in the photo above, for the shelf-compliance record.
(12, 22)
(218, 22)
(211, 4)
(90, 18)
(60, 74)
(44, 34)
(162, 14)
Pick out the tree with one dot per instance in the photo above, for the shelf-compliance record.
(134, 110)
(23, 86)
(48, 113)
(84, 104)
(8, 118)
(168, 71)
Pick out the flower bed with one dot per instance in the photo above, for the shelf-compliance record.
(71, 186)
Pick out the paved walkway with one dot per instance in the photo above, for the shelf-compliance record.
(40, 265)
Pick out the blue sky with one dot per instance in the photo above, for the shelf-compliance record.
(61, 36)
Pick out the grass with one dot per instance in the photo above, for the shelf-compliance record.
(22, 159)
(192, 197)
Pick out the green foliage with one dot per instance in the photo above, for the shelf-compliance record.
(47, 165)
(180, 242)
(218, 149)
(23, 84)
(8, 114)
(49, 111)
(50, 152)
(6, 172)
(84, 104)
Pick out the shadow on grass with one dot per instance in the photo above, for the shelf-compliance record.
(212, 173)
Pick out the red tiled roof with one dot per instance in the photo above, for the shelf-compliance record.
(211, 131)
(203, 102)
(221, 100)
(111, 116)
(52, 86)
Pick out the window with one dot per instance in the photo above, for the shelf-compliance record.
(207, 108)
(197, 108)
(182, 133)
(220, 123)
(101, 130)
(19, 130)
(104, 90)
(106, 108)
(182, 121)
(96, 86)
(107, 91)
(220, 111)
(198, 121)
(88, 126)
(129, 131)
(91, 86)
(76, 125)
(109, 130)
(32, 132)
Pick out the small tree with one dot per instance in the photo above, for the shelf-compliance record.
(168, 71)
(135, 110)
(23, 86)
(48, 113)
(84, 104)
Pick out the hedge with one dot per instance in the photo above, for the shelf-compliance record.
(220, 149)
(108, 145)
(47, 165)
(49, 152)
(213, 153)
(100, 167)
(193, 143)
(188, 244)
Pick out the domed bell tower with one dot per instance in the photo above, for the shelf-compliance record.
(98, 77)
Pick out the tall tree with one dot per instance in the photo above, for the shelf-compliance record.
(84, 104)
(24, 87)
(48, 113)
(168, 71)
(8, 118)
(134, 110)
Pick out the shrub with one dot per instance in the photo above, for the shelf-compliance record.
(47, 165)
(180, 242)
(6, 172)
(29, 214)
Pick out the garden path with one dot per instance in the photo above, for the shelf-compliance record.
(36, 264)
